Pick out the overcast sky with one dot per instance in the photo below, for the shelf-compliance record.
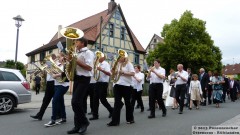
(145, 17)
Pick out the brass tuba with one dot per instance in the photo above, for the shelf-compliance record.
(70, 34)
(96, 73)
(115, 70)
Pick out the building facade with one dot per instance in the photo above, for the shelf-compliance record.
(153, 43)
(232, 70)
(106, 31)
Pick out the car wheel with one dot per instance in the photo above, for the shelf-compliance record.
(6, 104)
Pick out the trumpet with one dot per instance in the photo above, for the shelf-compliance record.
(150, 70)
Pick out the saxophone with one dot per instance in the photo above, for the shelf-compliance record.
(70, 34)
(115, 73)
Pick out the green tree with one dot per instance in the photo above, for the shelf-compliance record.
(20, 66)
(186, 41)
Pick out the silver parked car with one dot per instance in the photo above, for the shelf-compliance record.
(14, 90)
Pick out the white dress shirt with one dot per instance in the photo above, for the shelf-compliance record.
(155, 78)
(49, 77)
(106, 67)
(125, 80)
(179, 80)
(86, 56)
(92, 80)
(138, 85)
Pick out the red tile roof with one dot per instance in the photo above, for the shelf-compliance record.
(91, 29)
(231, 69)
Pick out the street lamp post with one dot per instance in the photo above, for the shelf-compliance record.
(18, 22)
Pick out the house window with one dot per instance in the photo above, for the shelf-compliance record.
(111, 30)
(118, 16)
(136, 60)
(122, 34)
(50, 51)
(32, 58)
(155, 40)
(42, 56)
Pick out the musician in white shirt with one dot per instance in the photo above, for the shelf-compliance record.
(122, 89)
(181, 86)
(100, 92)
(137, 80)
(157, 74)
(49, 92)
(82, 78)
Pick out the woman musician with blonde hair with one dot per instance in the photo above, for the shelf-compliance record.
(122, 89)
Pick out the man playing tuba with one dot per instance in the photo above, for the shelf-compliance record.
(122, 88)
(101, 87)
(82, 78)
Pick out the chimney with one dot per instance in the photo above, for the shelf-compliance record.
(59, 29)
(111, 6)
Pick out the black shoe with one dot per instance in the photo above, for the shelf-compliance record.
(36, 117)
(83, 129)
(112, 124)
(90, 113)
(130, 122)
(73, 131)
(190, 108)
(151, 116)
(142, 109)
(148, 109)
(164, 114)
(61, 121)
(93, 118)
(180, 112)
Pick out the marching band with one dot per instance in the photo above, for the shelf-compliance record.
(127, 83)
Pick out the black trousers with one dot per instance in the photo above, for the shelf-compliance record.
(155, 93)
(180, 95)
(188, 96)
(37, 88)
(210, 96)
(233, 94)
(120, 92)
(224, 94)
(90, 93)
(101, 94)
(204, 94)
(49, 92)
(80, 86)
(137, 95)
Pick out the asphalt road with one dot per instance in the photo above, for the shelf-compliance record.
(19, 122)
